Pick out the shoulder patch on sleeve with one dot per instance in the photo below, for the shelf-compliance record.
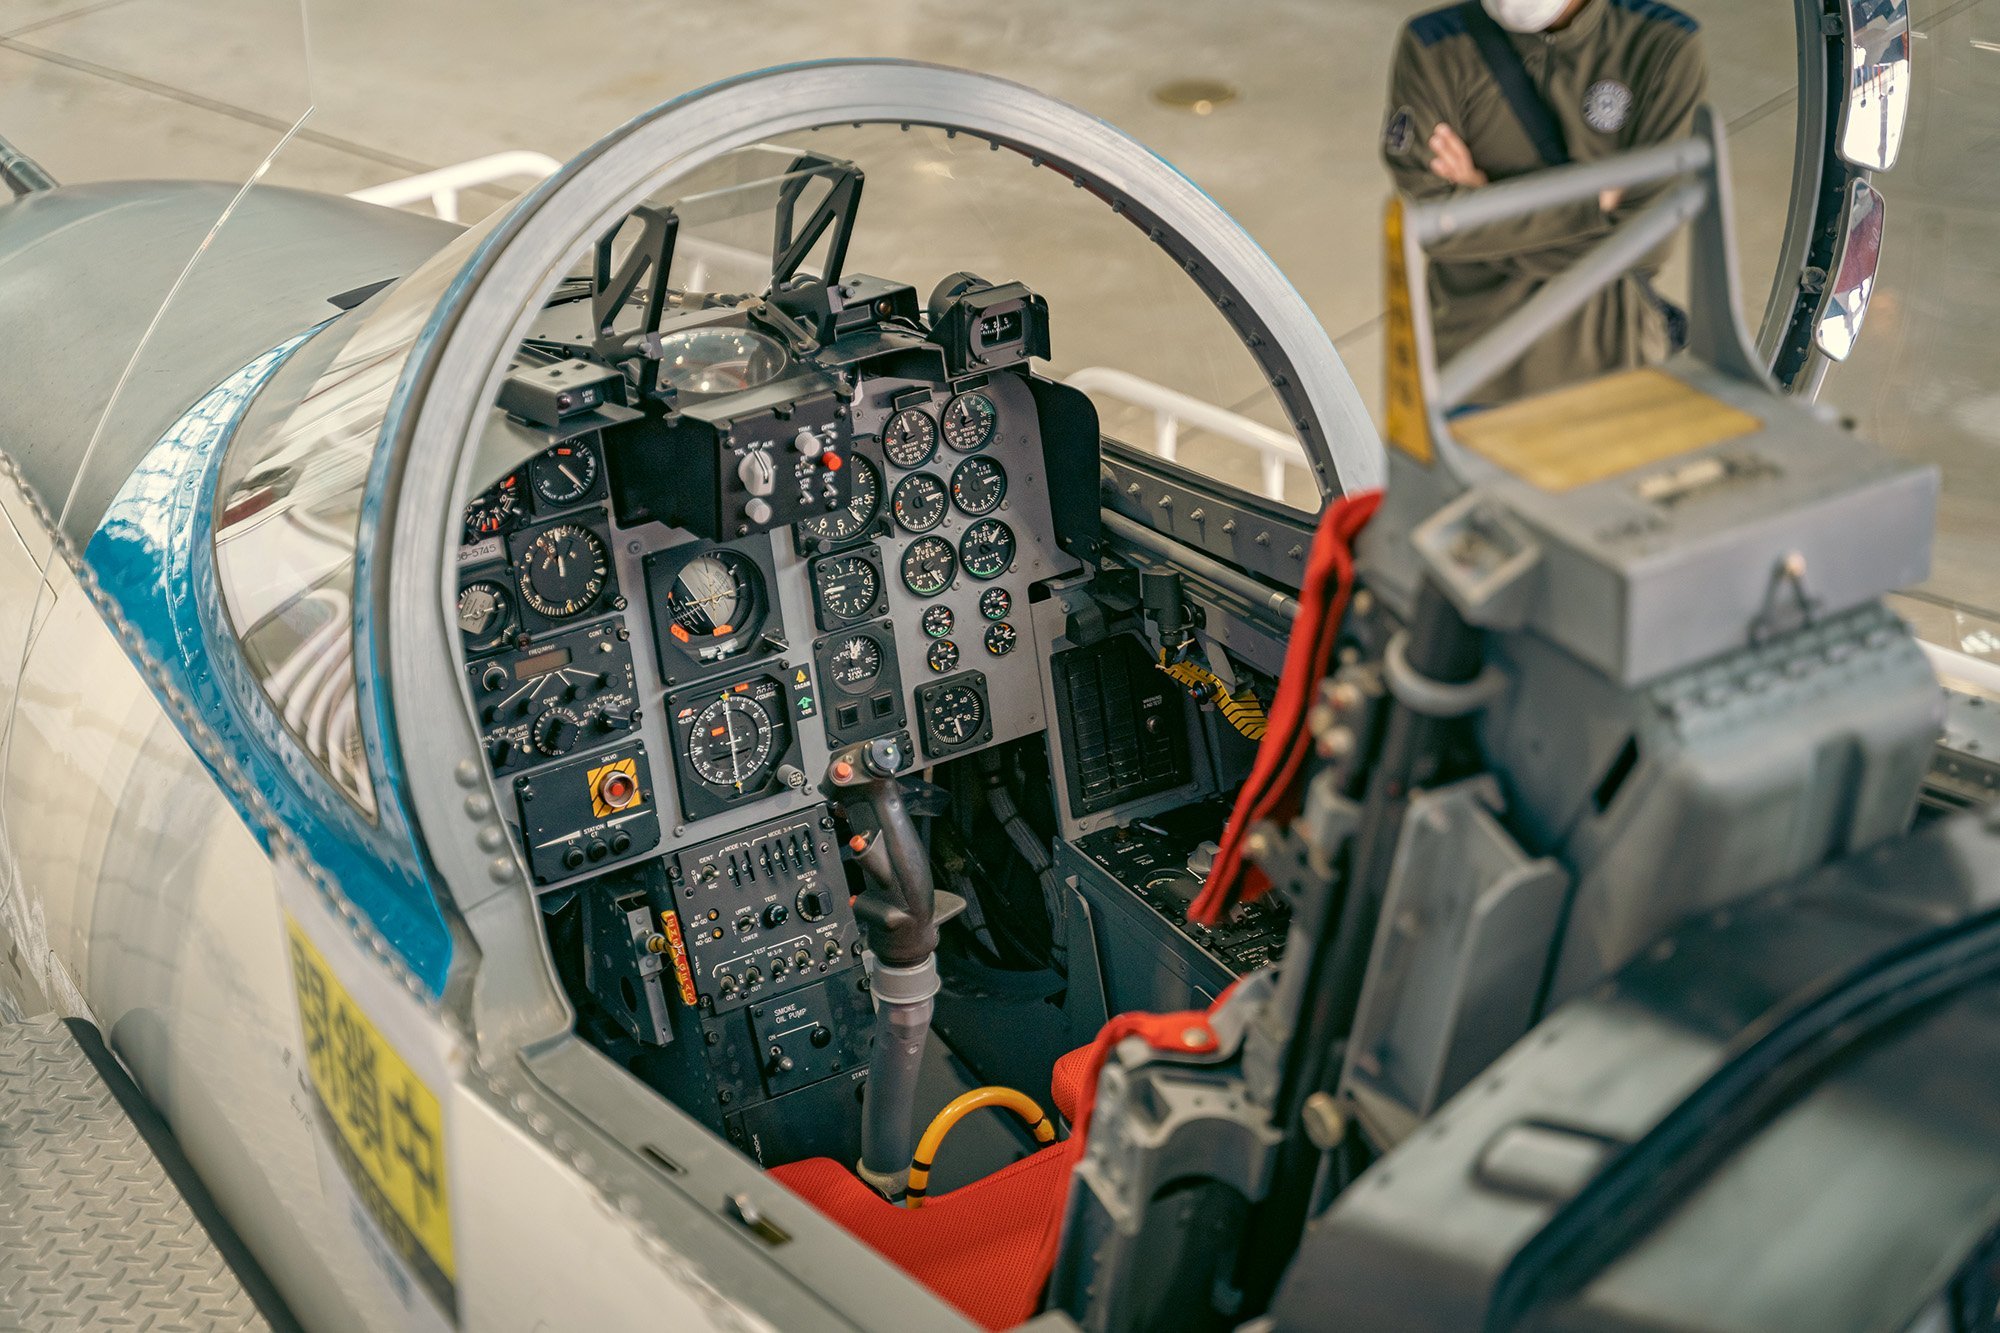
(1400, 133)
(1432, 28)
(1658, 13)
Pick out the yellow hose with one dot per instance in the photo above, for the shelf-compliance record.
(1020, 1103)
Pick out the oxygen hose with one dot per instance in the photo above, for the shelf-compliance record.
(1006, 1099)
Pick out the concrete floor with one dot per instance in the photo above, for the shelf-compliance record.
(122, 88)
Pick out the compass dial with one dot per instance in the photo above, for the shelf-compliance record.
(732, 742)
(928, 566)
(856, 663)
(910, 438)
(563, 570)
(565, 474)
(919, 503)
(969, 422)
(485, 615)
(853, 519)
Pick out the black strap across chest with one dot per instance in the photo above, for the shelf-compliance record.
(1504, 62)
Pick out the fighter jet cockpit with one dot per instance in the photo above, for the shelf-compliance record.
(761, 738)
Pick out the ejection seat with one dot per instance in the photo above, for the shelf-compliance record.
(988, 1247)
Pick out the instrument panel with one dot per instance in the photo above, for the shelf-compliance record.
(896, 609)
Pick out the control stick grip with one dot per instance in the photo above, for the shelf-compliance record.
(900, 907)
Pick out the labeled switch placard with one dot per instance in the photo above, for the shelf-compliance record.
(593, 811)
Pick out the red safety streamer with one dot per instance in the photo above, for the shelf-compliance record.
(1323, 598)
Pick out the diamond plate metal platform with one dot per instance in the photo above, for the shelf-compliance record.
(94, 1232)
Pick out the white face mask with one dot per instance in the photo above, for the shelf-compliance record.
(1525, 15)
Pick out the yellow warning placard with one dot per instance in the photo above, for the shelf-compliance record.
(1408, 419)
(1603, 427)
(387, 1127)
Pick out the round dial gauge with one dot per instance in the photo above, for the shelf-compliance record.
(969, 422)
(928, 566)
(715, 601)
(995, 603)
(918, 503)
(847, 586)
(979, 485)
(936, 621)
(719, 360)
(956, 714)
(910, 438)
(564, 474)
(856, 662)
(485, 615)
(563, 570)
(732, 742)
(1000, 639)
(942, 656)
(496, 511)
(987, 549)
(864, 499)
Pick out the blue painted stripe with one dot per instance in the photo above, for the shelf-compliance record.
(1432, 28)
(153, 556)
(1658, 13)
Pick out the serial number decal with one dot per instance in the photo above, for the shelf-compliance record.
(387, 1127)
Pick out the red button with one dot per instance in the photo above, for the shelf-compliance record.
(833, 461)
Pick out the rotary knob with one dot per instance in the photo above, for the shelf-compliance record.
(555, 733)
(774, 916)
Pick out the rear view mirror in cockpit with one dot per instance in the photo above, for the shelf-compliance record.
(1851, 280)
(1878, 82)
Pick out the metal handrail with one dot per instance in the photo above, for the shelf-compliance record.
(1172, 409)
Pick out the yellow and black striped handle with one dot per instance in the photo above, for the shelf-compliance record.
(960, 1107)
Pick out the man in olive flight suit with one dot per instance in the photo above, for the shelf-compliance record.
(1616, 75)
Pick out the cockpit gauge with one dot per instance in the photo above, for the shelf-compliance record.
(995, 603)
(565, 474)
(485, 615)
(919, 503)
(987, 549)
(910, 437)
(732, 742)
(937, 620)
(719, 360)
(846, 588)
(562, 570)
(497, 510)
(1000, 639)
(854, 663)
(928, 566)
(969, 421)
(715, 604)
(978, 486)
(855, 517)
(953, 714)
(942, 656)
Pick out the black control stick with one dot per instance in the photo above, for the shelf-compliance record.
(900, 914)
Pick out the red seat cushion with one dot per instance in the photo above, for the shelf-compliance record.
(979, 1248)
(1066, 1082)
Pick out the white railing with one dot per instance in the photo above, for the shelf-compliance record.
(1173, 409)
(443, 186)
